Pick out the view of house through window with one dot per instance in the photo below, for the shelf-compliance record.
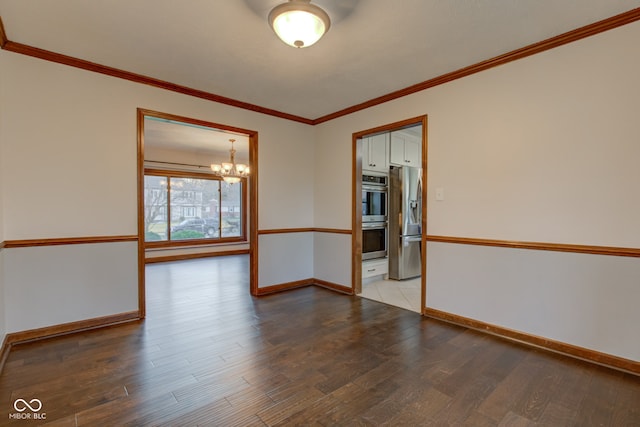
(183, 207)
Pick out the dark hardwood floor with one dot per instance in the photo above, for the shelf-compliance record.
(210, 354)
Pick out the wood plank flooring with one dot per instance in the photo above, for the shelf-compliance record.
(210, 354)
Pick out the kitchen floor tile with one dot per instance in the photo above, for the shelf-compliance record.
(405, 294)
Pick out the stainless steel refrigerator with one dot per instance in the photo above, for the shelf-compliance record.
(405, 222)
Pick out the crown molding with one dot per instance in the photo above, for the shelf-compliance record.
(532, 49)
(71, 61)
(3, 35)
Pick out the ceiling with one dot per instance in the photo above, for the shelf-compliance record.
(209, 143)
(226, 48)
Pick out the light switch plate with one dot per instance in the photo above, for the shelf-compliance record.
(439, 194)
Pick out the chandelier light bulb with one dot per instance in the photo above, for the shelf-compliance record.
(231, 179)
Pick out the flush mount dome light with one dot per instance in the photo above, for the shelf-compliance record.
(299, 23)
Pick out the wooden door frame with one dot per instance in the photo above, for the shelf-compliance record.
(253, 197)
(356, 215)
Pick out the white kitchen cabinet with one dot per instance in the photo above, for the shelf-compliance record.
(406, 149)
(374, 153)
(375, 267)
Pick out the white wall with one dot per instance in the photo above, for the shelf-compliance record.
(332, 258)
(3, 329)
(84, 146)
(287, 169)
(285, 258)
(522, 290)
(3, 325)
(542, 149)
(69, 168)
(53, 285)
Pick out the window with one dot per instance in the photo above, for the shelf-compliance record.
(188, 211)
(196, 208)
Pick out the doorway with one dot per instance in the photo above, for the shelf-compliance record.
(185, 209)
(391, 156)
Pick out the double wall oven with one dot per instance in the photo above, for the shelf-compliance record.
(375, 199)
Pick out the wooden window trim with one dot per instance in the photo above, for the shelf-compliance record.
(199, 242)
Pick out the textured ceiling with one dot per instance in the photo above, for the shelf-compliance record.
(209, 143)
(227, 48)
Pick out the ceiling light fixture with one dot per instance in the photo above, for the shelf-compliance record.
(231, 172)
(299, 23)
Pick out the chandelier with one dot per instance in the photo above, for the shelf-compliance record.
(231, 172)
(299, 23)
